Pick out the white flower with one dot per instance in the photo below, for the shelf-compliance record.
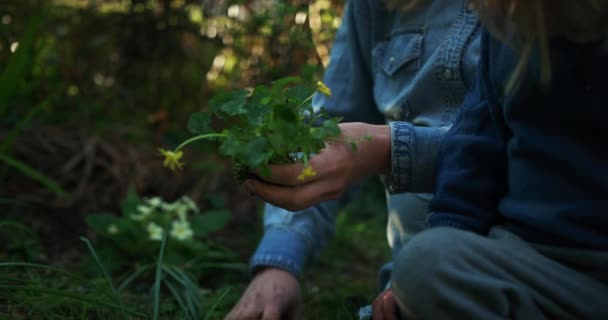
(181, 230)
(189, 203)
(154, 202)
(112, 229)
(182, 213)
(144, 210)
(168, 206)
(137, 217)
(155, 232)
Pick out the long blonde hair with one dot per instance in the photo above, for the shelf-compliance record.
(526, 24)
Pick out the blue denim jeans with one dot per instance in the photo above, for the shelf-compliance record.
(447, 273)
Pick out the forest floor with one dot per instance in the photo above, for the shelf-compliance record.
(98, 170)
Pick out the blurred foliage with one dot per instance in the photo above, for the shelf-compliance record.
(142, 62)
(92, 88)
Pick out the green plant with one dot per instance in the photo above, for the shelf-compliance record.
(15, 88)
(268, 125)
(133, 238)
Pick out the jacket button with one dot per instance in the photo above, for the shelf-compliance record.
(448, 74)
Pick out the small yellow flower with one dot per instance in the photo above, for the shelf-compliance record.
(172, 159)
(306, 173)
(321, 87)
(155, 232)
(181, 230)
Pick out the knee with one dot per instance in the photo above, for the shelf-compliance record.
(424, 264)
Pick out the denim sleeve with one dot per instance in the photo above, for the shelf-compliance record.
(414, 152)
(292, 239)
(348, 74)
(471, 178)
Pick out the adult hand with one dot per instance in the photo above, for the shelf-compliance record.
(337, 168)
(273, 294)
(384, 306)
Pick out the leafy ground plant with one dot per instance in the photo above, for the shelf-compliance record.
(134, 237)
(268, 125)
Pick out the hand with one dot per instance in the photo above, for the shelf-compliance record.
(273, 294)
(338, 167)
(384, 306)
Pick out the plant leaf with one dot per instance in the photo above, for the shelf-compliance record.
(198, 123)
(209, 221)
(129, 205)
(230, 103)
(299, 93)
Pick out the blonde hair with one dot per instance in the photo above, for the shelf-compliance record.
(526, 24)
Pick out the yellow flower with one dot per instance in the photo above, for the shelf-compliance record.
(321, 87)
(172, 159)
(307, 172)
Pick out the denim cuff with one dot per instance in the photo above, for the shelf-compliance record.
(413, 156)
(281, 248)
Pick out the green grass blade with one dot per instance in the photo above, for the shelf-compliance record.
(134, 276)
(12, 135)
(75, 296)
(34, 174)
(16, 225)
(217, 303)
(105, 273)
(178, 297)
(193, 299)
(20, 62)
(41, 266)
(103, 270)
(157, 279)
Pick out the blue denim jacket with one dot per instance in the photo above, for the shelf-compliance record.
(409, 69)
(532, 162)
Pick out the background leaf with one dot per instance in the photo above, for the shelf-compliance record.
(230, 103)
(198, 123)
(210, 221)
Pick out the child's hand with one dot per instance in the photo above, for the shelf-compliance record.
(338, 167)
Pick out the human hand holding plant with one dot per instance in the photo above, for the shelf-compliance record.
(269, 125)
(344, 161)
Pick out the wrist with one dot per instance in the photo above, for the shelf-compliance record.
(379, 148)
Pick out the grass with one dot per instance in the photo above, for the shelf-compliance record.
(346, 268)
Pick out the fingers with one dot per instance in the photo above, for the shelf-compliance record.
(286, 175)
(384, 306)
(378, 308)
(271, 313)
(291, 198)
(390, 306)
(292, 174)
(245, 310)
